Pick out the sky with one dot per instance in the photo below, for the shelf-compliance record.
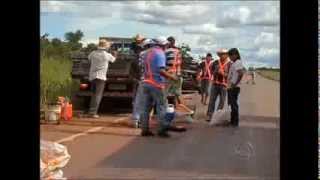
(251, 26)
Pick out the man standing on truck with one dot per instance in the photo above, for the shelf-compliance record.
(153, 87)
(99, 61)
(205, 77)
(219, 70)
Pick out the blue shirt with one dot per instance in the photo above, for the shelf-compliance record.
(158, 61)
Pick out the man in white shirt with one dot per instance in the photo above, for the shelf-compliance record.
(99, 61)
(234, 77)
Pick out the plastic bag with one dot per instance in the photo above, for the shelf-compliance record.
(221, 116)
(53, 157)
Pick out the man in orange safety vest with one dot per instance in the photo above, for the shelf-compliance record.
(220, 69)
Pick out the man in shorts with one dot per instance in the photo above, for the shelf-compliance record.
(173, 65)
(205, 77)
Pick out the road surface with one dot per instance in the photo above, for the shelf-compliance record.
(252, 151)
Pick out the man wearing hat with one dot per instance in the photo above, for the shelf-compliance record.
(153, 87)
(99, 61)
(219, 71)
(136, 45)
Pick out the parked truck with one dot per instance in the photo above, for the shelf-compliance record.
(123, 74)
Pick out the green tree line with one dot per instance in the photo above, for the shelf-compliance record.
(55, 66)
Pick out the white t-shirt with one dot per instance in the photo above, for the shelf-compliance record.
(233, 72)
(99, 61)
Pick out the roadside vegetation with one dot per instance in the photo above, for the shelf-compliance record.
(273, 74)
(55, 66)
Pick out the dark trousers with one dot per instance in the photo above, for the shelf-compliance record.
(97, 87)
(233, 95)
(216, 90)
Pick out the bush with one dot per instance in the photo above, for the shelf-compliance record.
(55, 79)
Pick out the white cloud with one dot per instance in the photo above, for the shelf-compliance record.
(54, 6)
(253, 27)
(155, 12)
(254, 15)
(80, 9)
(266, 39)
(207, 28)
(267, 52)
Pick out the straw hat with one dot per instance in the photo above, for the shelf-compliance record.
(103, 44)
(222, 51)
(139, 38)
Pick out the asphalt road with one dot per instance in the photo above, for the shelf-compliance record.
(99, 150)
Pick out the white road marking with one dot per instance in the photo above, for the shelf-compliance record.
(95, 129)
(71, 138)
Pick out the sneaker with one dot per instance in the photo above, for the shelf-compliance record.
(234, 125)
(177, 129)
(147, 133)
(95, 116)
(163, 134)
(136, 124)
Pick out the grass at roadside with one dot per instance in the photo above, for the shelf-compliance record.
(55, 79)
(270, 74)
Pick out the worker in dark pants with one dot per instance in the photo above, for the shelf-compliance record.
(219, 71)
(234, 77)
(99, 61)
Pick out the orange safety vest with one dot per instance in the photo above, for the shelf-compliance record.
(148, 77)
(221, 69)
(207, 70)
(175, 68)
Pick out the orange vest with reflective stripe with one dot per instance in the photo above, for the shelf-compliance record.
(176, 66)
(148, 77)
(207, 72)
(222, 71)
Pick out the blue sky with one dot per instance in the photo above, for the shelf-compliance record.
(251, 26)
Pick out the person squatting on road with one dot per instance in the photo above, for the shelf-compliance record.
(235, 75)
(146, 45)
(153, 88)
(219, 71)
(173, 66)
(205, 77)
(99, 61)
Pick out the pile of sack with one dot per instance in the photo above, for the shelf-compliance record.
(53, 157)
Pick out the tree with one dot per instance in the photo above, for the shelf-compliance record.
(73, 39)
(185, 48)
(44, 43)
(56, 42)
(91, 47)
